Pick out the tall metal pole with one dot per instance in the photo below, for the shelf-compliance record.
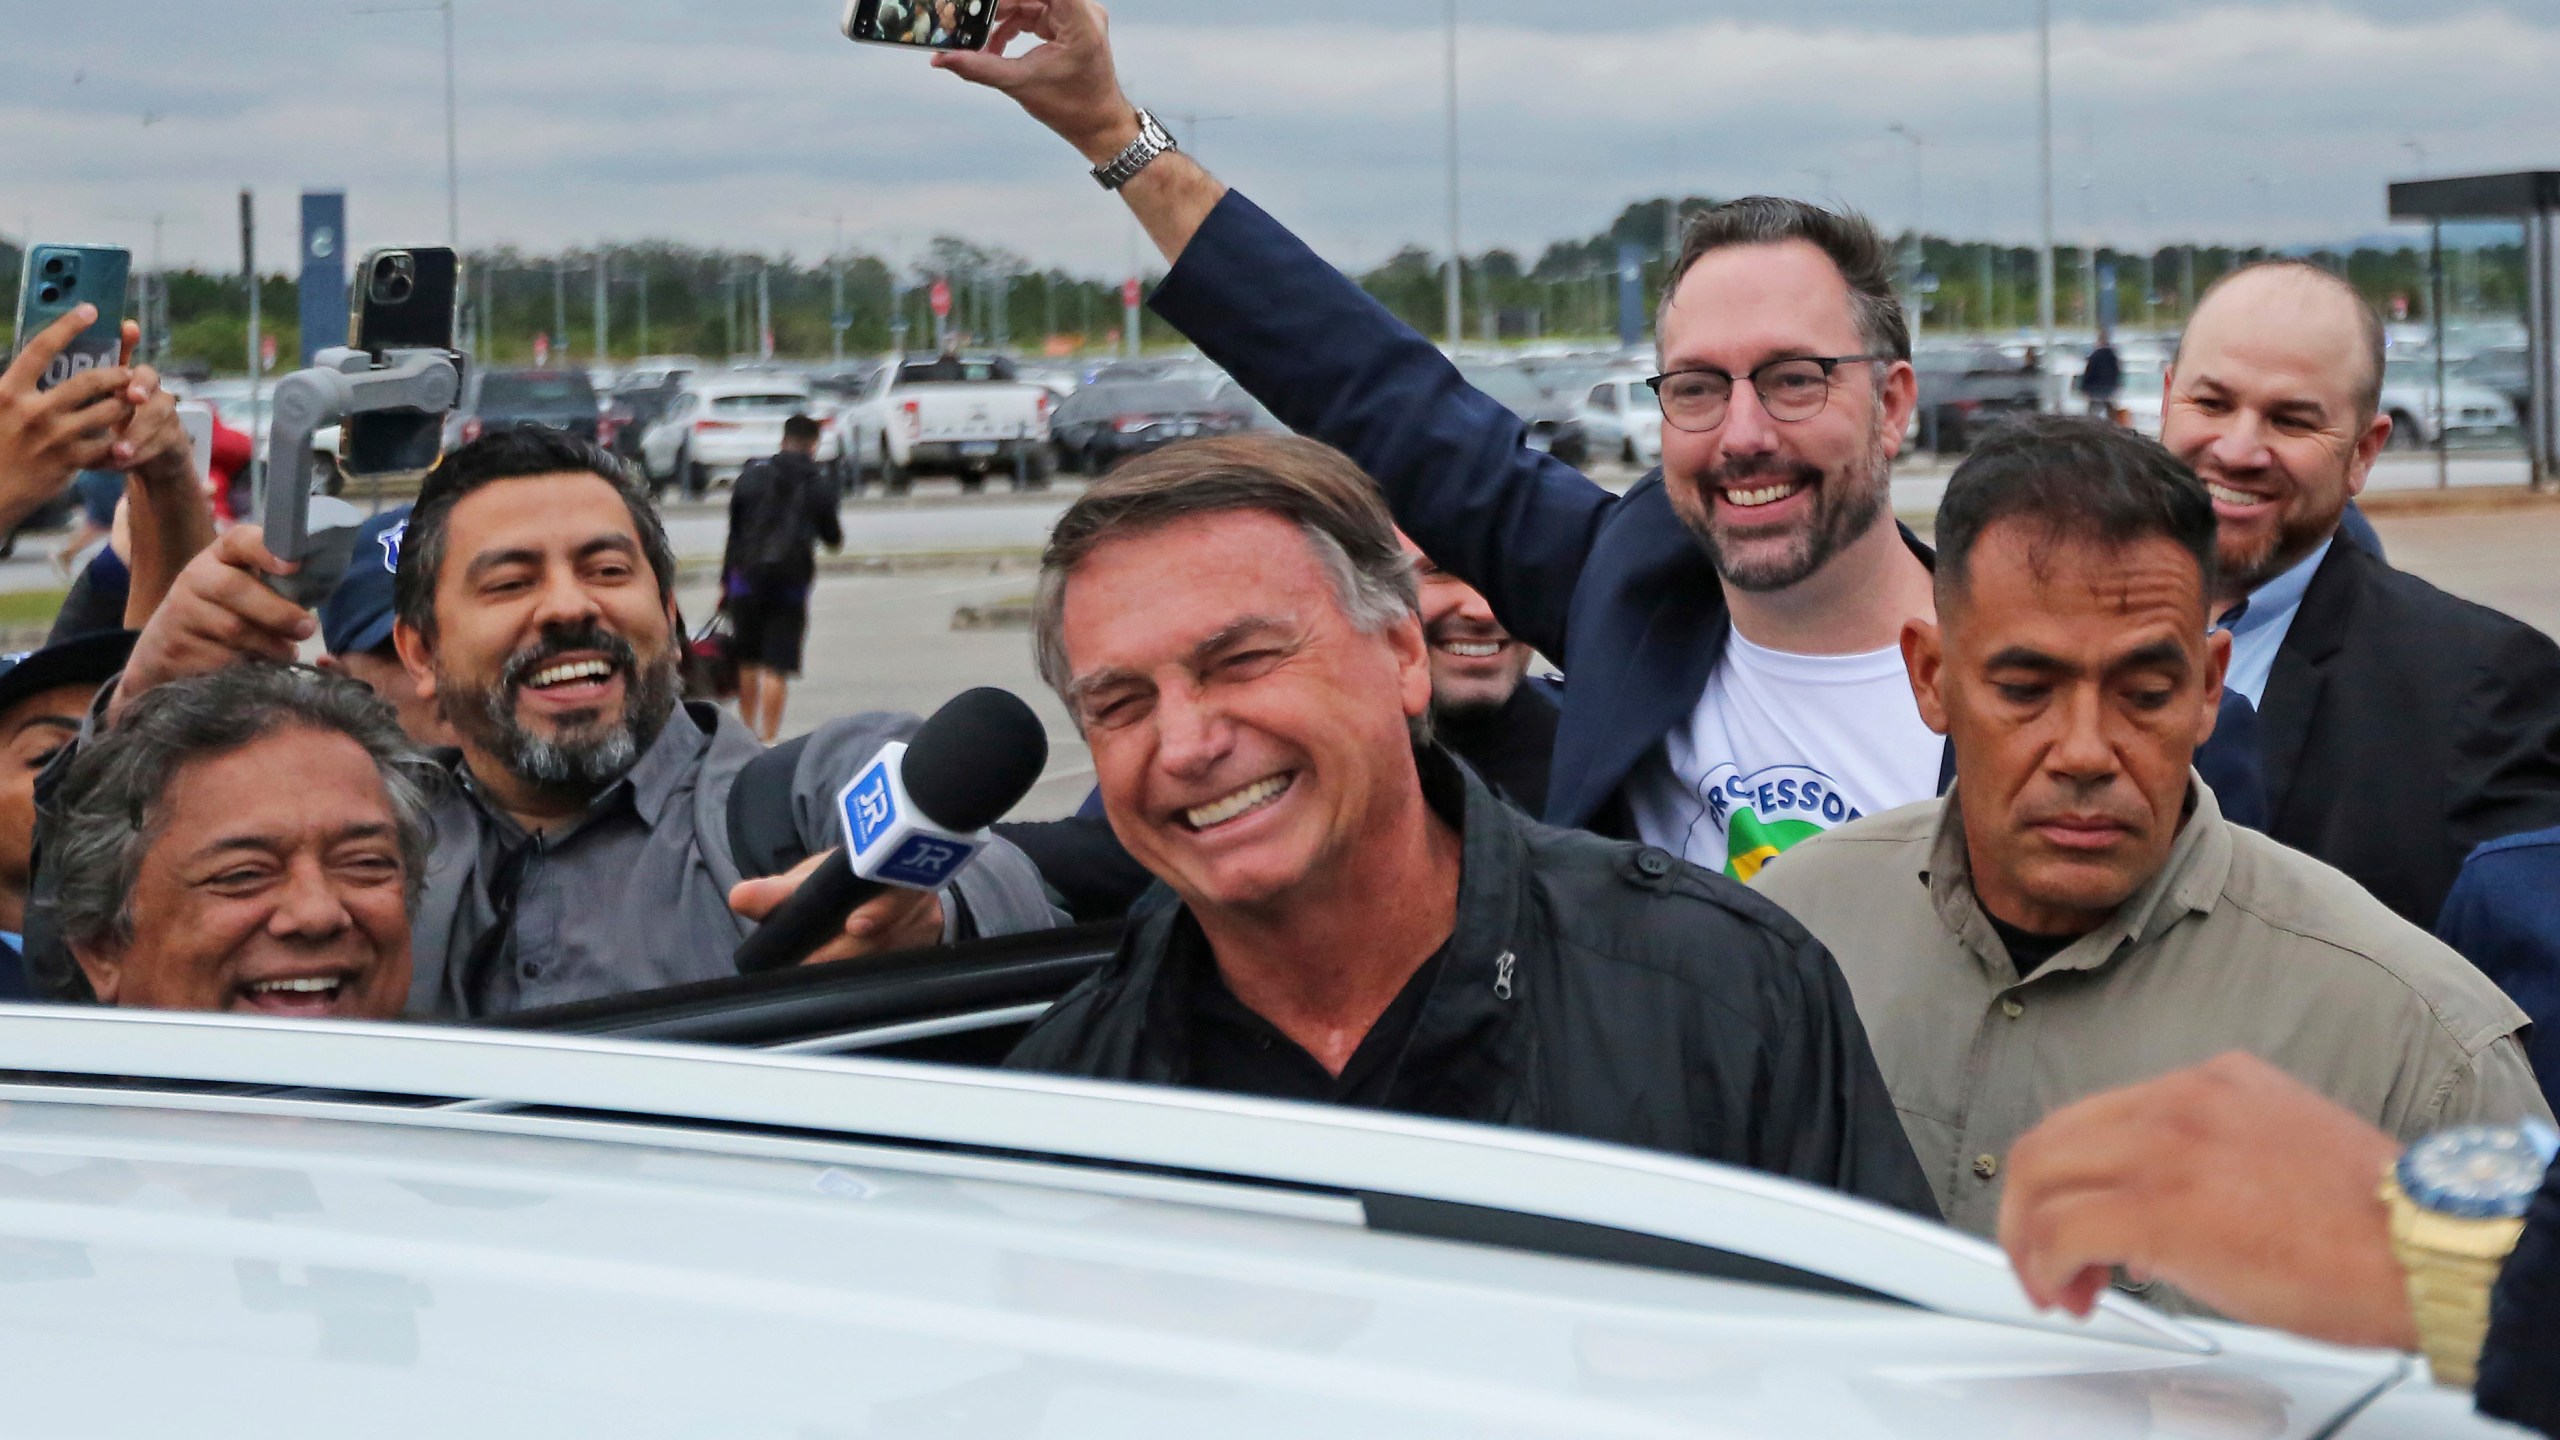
(1919, 303)
(1457, 260)
(452, 149)
(249, 272)
(764, 313)
(604, 308)
(2044, 173)
(2435, 313)
(836, 318)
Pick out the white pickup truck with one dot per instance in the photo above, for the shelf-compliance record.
(966, 416)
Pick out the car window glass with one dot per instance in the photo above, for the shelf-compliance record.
(536, 392)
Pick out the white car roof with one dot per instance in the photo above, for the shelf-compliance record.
(644, 1240)
(764, 382)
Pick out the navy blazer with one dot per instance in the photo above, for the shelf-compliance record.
(1613, 589)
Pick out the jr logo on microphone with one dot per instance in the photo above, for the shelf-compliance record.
(869, 809)
(893, 841)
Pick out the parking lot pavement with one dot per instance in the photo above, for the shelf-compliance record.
(2500, 558)
(885, 642)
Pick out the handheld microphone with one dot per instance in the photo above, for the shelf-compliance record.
(915, 817)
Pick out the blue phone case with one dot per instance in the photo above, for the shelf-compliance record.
(56, 279)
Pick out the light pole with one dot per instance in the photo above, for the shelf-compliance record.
(1457, 256)
(452, 147)
(2044, 173)
(604, 307)
(1919, 211)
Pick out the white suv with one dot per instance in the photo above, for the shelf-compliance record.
(1623, 421)
(722, 423)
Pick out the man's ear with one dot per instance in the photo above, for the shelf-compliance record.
(1924, 656)
(2377, 433)
(417, 656)
(1413, 665)
(2217, 668)
(104, 965)
(1901, 394)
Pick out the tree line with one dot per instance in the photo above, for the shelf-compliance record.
(666, 298)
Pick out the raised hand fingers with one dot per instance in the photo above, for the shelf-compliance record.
(32, 362)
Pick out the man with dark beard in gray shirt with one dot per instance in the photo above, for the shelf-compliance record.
(583, 847)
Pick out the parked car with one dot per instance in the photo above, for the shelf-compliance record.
(2143, 395)
(1108, 421)
(2465, 413)
(1622, 418)
(720, 423)
(493, 399)
(967, 416)
(639, 400)
(1966, 390)
(2502, 370)
(1555, 425)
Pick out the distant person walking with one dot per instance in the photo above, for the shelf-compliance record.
(778, 512)
(2102, 379)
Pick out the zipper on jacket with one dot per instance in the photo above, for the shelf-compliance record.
(1502, 975)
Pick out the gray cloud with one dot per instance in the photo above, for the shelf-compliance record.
(748, 122)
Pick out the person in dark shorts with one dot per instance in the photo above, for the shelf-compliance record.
(779, 511)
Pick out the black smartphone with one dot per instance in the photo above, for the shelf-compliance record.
(921, 24)
(404, 300)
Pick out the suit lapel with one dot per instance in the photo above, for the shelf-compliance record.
(2294, 685)
(1640, 690)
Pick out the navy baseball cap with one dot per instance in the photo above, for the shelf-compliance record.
(357, 615)
(91, 659)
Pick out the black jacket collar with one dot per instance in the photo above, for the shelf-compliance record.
(1463, 1061)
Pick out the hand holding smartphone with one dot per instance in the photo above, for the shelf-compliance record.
(53, 281)
(921, 24)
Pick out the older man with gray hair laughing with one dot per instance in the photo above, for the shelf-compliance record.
(1358, 920)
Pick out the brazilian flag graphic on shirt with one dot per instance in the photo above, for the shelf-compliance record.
(1769, 812)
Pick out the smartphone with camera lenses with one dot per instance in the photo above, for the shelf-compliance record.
(55, 279)
(404, 299)
(921, 24)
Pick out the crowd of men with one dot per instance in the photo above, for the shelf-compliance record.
(2059, 879)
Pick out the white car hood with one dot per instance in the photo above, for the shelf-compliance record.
(288, 1274)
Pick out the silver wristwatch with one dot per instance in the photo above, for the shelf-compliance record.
(1152, 141)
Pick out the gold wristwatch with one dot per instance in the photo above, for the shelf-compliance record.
(2457, 1203)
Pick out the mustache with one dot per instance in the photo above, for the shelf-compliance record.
(1762, 467)
(565, 640)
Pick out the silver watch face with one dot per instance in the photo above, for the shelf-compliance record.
(2479, 1172)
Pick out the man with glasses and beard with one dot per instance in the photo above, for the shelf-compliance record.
(1729, 626)
(584, 843)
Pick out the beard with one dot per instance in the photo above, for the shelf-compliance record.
(2301, 525)
(1846, 506)
(587, 753)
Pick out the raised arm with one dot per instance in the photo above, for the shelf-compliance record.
(1327, 359)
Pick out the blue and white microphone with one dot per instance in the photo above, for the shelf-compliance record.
(914, 817)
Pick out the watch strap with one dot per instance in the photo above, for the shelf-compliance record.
(2451, 1264)
(1120, 169)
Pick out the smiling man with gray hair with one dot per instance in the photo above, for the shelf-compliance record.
(1354, 918)
(248, 840)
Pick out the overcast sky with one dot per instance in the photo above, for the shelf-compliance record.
(752, 123)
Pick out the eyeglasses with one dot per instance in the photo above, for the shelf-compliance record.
(1791, 390)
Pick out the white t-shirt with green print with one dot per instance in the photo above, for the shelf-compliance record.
(1781, 748)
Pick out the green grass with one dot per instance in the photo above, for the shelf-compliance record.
(31, 607)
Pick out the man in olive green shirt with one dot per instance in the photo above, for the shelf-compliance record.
(2076, 915)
